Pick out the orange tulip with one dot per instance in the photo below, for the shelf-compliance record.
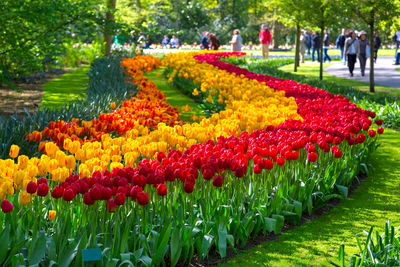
(14, 151)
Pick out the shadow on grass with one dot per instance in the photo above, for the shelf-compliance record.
(317, 242)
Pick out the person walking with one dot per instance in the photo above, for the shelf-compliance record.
(303, 46)
(396, 40)
(351, 49)
(265, 40)
(340, 44)
(236, 42)
(308, 41)
(315, 44)
(326, 44)
(364, 51)
(377, 45)
(204, 40)
(214, 42)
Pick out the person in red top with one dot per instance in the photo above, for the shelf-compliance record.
(265, 40)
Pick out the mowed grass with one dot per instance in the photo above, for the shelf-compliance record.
(69, 87)
(311, 70)
(317, 242)
(174, 96)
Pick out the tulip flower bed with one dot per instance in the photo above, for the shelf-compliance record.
(386, 106)
(164, 191)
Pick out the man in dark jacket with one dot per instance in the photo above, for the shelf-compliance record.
(315, 45)
(377, 45)
(340, 44)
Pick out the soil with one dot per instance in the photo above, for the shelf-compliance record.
(28, 95)
(214, 258)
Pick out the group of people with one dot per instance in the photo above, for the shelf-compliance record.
(353, 45)
(311, 42)
(172, 43)
(209, 41)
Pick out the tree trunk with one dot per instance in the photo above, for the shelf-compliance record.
(177, 15)
(109, 22)
(275, 34)
(371, 58)
(297, 54)
(321, 63)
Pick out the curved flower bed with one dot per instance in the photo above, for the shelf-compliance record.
(275, 150)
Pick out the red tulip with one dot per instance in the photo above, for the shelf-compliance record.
(42, 190)
(31, 187)
(312, 157)
(142, 198)
(57, 192)
(111, 206)
(87, 199)
(380, 130)
(119, 199)
(6, 206)
(68, 194)
(135, 191)
(218, 181)
(379, 122)
(188, 187)
(161, 189)
(371, 133)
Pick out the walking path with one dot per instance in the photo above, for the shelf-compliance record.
(316, 242)
(385, 73)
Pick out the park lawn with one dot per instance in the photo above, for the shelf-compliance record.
(69, 87)
(317, 242)
(175, 97)
(312, 71)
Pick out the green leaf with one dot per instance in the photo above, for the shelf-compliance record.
(176, 246)
(280, 220)
(5, 243)
(343, 190)
(38, 250)
(207, 242)
(222, 232)
(270, 224)
(298, 207)
(162, 244)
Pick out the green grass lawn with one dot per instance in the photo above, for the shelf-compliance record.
(174, 96)
(312, 70)
(317, 242)
(69, 87)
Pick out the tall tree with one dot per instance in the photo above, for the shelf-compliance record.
(322, 14)
(376, 14)
(291, 13)
(110, 20)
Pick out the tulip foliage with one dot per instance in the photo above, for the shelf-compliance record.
(148, 189)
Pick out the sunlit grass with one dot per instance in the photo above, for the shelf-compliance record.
(69, 87)
(174, 96)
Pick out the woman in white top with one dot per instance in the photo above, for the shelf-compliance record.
(236, 41)
(352, 49)
(303, 46)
